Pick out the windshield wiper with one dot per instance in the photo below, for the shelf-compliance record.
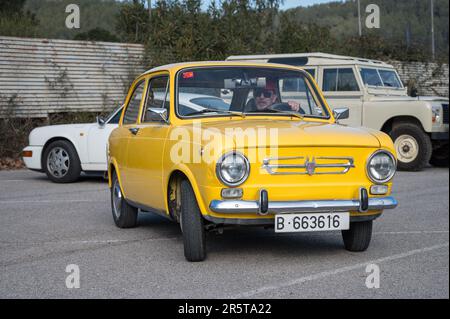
(241, 114)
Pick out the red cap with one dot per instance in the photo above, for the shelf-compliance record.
(270, 85)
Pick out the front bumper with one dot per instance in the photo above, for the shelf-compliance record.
(263, 209)
(33, 162)
(319, 206)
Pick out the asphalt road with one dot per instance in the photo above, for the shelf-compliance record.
(44, 227)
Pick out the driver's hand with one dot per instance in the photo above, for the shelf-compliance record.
(294, 106)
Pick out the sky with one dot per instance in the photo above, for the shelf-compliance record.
(288, 3)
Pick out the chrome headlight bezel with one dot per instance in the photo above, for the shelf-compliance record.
(219, 169)
(391, 175)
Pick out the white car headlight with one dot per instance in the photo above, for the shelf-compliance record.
(381, 167)
(233, 169)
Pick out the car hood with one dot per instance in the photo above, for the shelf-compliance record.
(40, 135)
(284, 133)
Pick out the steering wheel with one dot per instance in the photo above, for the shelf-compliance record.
(285, 107)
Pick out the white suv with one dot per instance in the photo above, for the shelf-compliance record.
(376, 98)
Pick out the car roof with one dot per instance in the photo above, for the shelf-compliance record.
(178, 66)
(311, 59)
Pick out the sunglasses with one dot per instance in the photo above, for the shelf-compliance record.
(267, 93)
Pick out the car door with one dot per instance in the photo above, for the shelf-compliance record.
(97, 140)
(146, 148)
(126, 132)
(342, 89)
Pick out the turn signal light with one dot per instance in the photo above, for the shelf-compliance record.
(27, 154)
(232, 193)
(379, 189)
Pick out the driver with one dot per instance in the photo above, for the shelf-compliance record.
(266, 97)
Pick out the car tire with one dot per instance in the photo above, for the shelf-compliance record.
(413, 146)
(61, 163)
(192, 225)
(358, 237)
(440, 157)
(124, 215)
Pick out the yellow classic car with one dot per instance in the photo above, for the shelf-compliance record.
(211, 145)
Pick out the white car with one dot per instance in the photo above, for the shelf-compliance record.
(64, 151)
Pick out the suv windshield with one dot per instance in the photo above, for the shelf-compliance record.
(380, 77)
(218, 91)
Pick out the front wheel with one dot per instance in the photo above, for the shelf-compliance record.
(192, 225)
(124, 215)
(358, 237)
(413, 146)
(61, 162)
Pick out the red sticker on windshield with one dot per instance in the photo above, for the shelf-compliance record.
(188, 75)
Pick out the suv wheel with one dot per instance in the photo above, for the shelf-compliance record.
(124, 215)
(61, 162)
(413, 146)
(192, 225)
(358, 237)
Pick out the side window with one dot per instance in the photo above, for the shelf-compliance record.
(347, 81)
(132, 111)
(342, 80)
(157, 97)
(371, 77)
(329, 80)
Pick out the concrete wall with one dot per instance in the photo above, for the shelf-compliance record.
(41, 76)
(429, 78)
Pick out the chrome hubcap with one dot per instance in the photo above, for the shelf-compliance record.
(58, 162)
(407, 148)
(117, 199)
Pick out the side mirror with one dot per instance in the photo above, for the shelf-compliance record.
(100, 121)
(161, 112)
(341, 113)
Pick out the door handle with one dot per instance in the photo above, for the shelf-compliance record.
(134, 130)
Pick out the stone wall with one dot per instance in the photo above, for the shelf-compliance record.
(428, 78)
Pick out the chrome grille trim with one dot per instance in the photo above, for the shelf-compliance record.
(309, 165)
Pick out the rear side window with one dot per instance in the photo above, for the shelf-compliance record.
(132, 111)
(342, 80)
(157, 97)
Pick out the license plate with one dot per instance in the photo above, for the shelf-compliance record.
(292, 223)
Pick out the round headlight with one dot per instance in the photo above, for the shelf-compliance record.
(381, 167)
(232, 169)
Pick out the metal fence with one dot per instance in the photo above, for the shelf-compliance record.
(40, 76)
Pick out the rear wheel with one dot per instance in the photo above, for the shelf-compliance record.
(61, 162)
(413, 146)
(192, 225)
(124, 215)
(358, 237)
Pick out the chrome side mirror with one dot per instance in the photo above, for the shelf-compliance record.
(100, 121)
(341, 113)
(161, 112)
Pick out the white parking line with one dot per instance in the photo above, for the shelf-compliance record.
(324, 274)
(48, 201)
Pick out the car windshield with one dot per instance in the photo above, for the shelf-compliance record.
(380, 77)
(114, 116)
(218, 91)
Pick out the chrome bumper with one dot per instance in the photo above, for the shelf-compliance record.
(254, 207)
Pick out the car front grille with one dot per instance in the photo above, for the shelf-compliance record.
(445, 111)
(308, 165)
